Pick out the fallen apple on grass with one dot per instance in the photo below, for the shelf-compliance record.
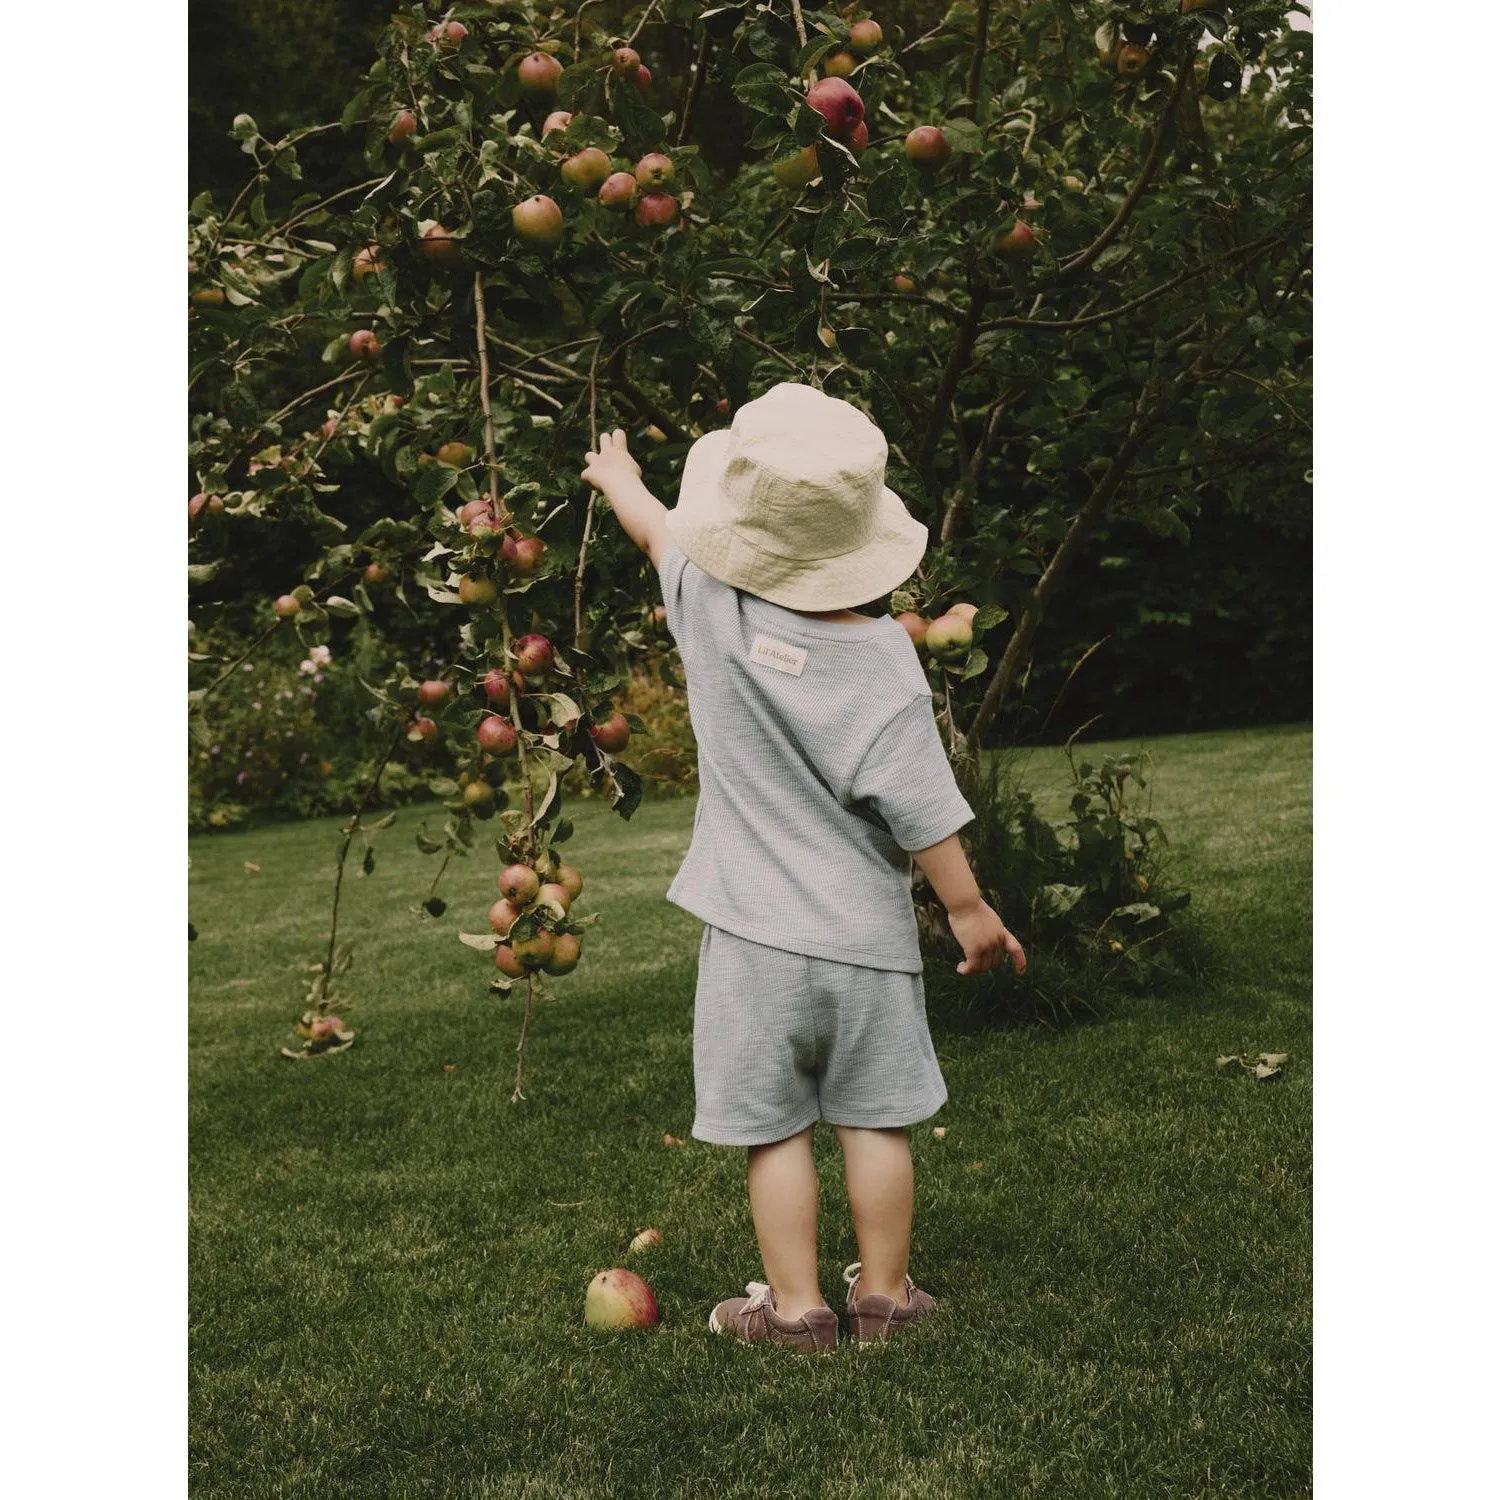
(618, 1300)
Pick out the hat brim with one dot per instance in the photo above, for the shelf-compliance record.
(700, 527)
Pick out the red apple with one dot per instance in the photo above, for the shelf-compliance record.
(654, 170)
(721, 406)
(654, 209)
(618, 1299)
(642, 77)
(964, 612)
(566, 951)
(471, 510)
(538, 220)
(208, 296)
(376, 573)
(555, 893)
(623, 61)
(503, 916)
(287, 606)
(865, 36)
(433, 692)
(839, 64)
(840, 106)
(367, 262)
(497, 687)
(539, 72)
(455, 453)
(570, 880)
(587, 169)
(496, 734)
(534, 951)
(1017, 240)
(903, 282)
(363, 344)
(1131, 59)
(533, 654)
(324, 1027)
(617, 189)
(559, 119)
(612, 735)
(859, 138)
(447, 35)
(403, 128)
(507, 962)
(519, 883)
(422, 729)
(927, 145)
(527, 555)
(441, 249)
(914, 625)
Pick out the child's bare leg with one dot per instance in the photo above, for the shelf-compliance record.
(783, 1185)
(878, 1172)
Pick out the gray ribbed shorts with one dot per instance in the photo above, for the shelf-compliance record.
(781, 1040)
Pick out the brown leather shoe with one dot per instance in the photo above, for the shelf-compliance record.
(875, 1317)
(755, 1320)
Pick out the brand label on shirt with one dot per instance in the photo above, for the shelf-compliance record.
(769, 653)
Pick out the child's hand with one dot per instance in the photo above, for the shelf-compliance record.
(611, 463)
(985, 939)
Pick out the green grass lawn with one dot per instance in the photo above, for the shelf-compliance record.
(389, 1258)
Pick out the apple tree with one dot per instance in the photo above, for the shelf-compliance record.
(1057, 250)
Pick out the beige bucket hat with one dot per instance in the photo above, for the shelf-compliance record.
(790, 503)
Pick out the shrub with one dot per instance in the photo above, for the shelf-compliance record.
(1089, 895)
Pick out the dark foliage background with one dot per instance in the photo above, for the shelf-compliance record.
(1202, 632)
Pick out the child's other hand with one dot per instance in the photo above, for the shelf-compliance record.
(985, 940)
(611, 463)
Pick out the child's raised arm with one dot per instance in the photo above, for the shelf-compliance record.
(617, 476)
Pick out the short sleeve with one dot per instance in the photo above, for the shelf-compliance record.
(670, 570)
(906, 779)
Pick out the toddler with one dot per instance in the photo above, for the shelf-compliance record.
(822, 777)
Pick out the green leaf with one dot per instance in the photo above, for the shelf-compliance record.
(485, 942)
(963, 134)
(367, 864)
(563, 832)
(628, 789)
(433, 483)
(764, 87)
(203, 572)
(989, 616)
(977, 663)
(345, 609)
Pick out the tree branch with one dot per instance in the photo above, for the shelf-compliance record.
(970, 482)
(1072, 543)
(958, 359)
(1085, 258)
(976, 62)
(580, 629)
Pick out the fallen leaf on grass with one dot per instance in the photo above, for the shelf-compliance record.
(251, 869)
(449, 1067)
(671, 1140)
(1264, 1065)
(647, 1239)
(976, 1166)
(939, 1131)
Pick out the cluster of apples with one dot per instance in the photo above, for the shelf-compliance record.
(541, 891)
(948, 638)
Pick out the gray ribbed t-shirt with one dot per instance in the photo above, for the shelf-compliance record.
(820, 768)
